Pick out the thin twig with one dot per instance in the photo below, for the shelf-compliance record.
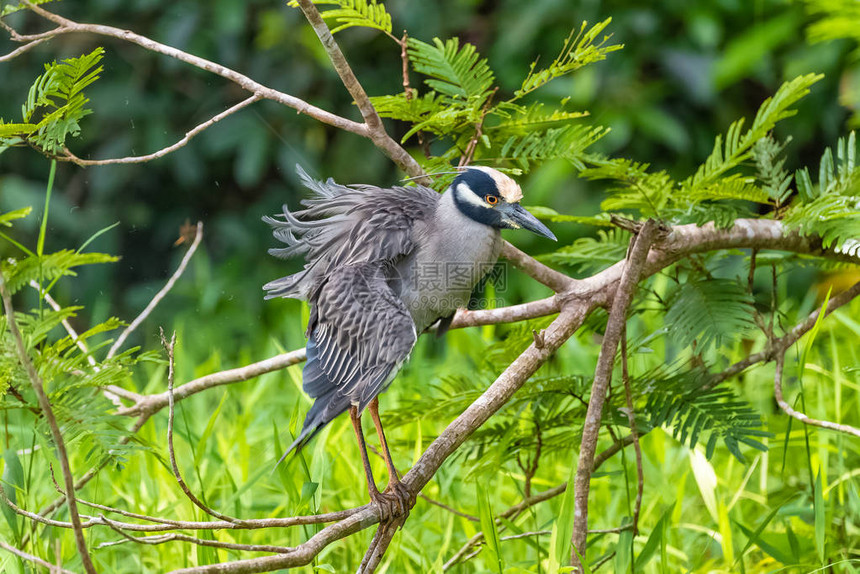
(790, 411)
(375, 129)
(175, 536)
(48, 412)
(169, 149)
(22, 50)
(169, 349)
(164, 525)
(34, 559)
(66, 26)
(161, 294)
(467, 156)
(633, 271)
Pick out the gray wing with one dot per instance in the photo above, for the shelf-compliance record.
(343, 225)
(360, 334)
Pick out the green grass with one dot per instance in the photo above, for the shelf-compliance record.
(697, 516)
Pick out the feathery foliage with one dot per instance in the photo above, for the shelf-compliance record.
(55, 105)
(578, 51)
(708, 312)
(354, 13)
(699, 413)
(831, 210)
(691, 200)
(591, 254)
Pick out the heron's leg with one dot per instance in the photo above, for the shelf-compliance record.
(355, 417)
(397, 488)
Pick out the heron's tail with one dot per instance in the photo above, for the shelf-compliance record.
(324, 410)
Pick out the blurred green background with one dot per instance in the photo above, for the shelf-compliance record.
(687, 70)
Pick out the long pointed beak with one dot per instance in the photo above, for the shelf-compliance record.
(517, 216)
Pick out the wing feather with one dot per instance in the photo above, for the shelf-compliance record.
(342, 225)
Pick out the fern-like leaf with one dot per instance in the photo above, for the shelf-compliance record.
(590, 254)
(578, 51)
(736, 147)
(454, 71)
(831, 209)
(698, 412)
(48, 267)
(55, 104)
(350, 13)
(708, 312)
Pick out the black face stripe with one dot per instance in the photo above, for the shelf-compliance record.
(478, 181)
(482, 184)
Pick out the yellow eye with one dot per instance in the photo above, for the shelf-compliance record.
(491, 199)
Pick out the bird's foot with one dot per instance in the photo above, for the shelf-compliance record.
(395, 502)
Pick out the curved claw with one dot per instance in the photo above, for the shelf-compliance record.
(395, 502)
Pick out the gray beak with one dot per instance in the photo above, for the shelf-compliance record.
(516, 216)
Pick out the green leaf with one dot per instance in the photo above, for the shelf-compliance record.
(578, 51)
(820, 524)
(623, 549)
(55, 104)
(200, 450)
(738, 144)
(49, 266)
(351, 13)
(562, 529)
(488, 526)
(708, 312)
(655, 540)
(7, 218)
(770, 549)
(454, 71)
(591, 254)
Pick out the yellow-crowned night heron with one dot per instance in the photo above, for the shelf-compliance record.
(383, 265)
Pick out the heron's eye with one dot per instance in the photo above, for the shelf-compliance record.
(491, 199)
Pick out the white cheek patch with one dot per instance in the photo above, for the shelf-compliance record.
(465, 193)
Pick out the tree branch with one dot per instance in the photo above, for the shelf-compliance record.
(66, 26)
(34, 559)
(373, 123)
(630, 276)
(48, 412)
(787, 408)
(161, 294)
(164, 151)
(634, 432)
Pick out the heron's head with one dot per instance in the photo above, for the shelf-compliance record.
(490, 197)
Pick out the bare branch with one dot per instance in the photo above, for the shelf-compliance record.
(375, 130)
(66, 26)
(175, 536)
(450, 509)
(48, 412)
(161, 294)
(787, 408)
(778, 346)
(632, 273)
(154, 403)
(22, 49)
(164, 525)
(169, 348)
(634, 432)
(169, 149)
(34, 559)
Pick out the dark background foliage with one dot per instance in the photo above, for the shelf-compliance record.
(687, 70)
